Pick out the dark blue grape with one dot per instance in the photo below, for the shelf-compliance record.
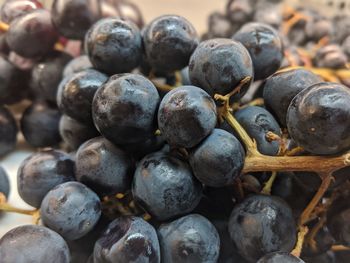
(74, 133)
(127, 239)
(41, 172)
(76, 92)
(189, 239)
(11, 9)
(39, 125)
(114, 46)
(165, 187)
(169, 42)
(257, 122)
(218, 160)
(186, 116)
(218, 65)
(8, 131)
(31, 243)
(265, 48)
(76, 65)
(318, 118)
(282, 87)
(73, 18)
(4, 183)
(280, 257)
(124, 109)
(103, 167)
(71, 209)
(260, 225)
(47, 74)
(32, 35)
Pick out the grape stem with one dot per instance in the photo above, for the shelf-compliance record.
(300, 241)
(4, 206)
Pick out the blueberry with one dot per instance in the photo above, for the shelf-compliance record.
(31, 243)
(189, 239)
(70, 209)
(8, 131)
(186, 116)
(169, 41)
(165, 187)
(41, 172)
(218, 65)
(218, 160)
(124, 109)
(127, 239)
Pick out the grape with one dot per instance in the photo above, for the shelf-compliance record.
(124, 109)
(257, 121)
(32, 35)
(75, 133)
(279, 257)
(127, 239)
(76, 65)
(260, 225)
(318, 118)
(129, 11)
(264, 46)
(73, 18)
(165, 187)
(11, 9)
(219, 26)
(4, 183)
(282, 87)
(269, 12)
(31, 243)
(191, 238)
(70, 209)
(103, 167)
(218, 160)
(42, 171)
(8, 131)
(39, 125)
(76, 92)
(240, 11)
(114, 46)
(331, 56)
(186, 116)
(4, 48)
(169, 42)
(218, 65)
(47, 74)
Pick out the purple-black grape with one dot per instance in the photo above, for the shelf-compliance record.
(71, 209)
(76, 92)
(218, 160)
(127, 239)
(124, 109)
(11, 9)
(8, 131)
(240, 11)
(169, 42)
(114, 46)
(165, 186)
(47, 74)
(260, 225)
(74, 133)
(32, 35)
(32, 243)
(218, 65)
(257, 121)
(282, 87)
(186, 116)
(73, 18)
(265, 48)
(280, 257)
(318, 118)
(189, 239)
(4, 182)
(39, 125)
(331, 56)
(103, 167)
(76, 65)
(41, 172)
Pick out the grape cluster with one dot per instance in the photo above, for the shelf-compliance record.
(157, 145)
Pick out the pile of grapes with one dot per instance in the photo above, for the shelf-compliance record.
(156, 145)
